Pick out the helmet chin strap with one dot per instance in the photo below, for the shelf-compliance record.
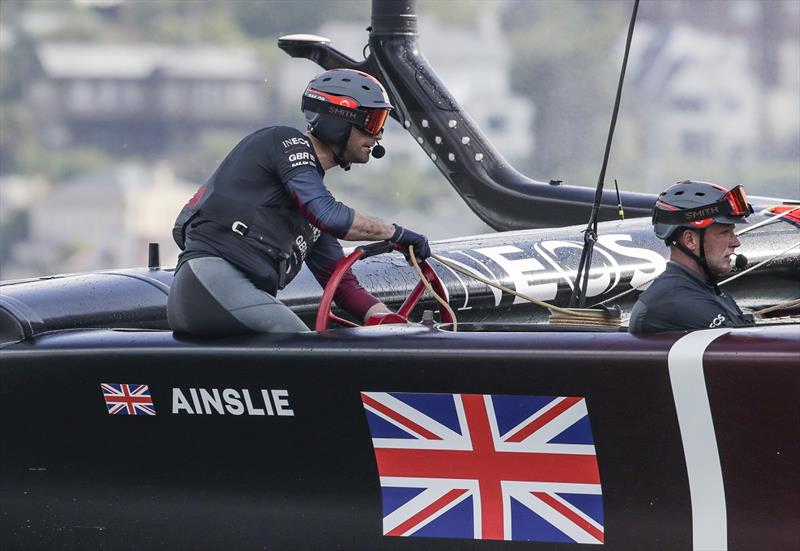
(340, 161)
(337, 149)
(338, 156)
(701, 258)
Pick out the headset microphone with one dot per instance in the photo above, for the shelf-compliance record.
(378, 151)
(741, 262)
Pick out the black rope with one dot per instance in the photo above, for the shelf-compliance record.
(620, 210)
(590, 233)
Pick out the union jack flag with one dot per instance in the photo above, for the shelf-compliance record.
(491, 467)
(128, 399)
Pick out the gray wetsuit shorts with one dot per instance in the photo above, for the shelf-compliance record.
(210, 297)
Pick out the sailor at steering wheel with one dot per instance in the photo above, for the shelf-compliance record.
(265, 211)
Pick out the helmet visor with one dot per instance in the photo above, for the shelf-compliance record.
(737, 200)
(375, 120)
(369, 120)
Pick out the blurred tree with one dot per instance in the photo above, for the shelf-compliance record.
(465, 16)
(269, 18)
(16, 133)
(18, 66)
(176, 22)
(419, 199)
(196, 164)
(33, 159)
(562, 62)
(13, 228)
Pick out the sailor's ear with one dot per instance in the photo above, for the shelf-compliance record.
(691, 240)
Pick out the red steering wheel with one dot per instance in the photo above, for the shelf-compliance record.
(325, 315)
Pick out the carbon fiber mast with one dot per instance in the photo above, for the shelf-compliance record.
(501, 196)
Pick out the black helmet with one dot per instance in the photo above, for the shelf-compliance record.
(337, 99)
(697, 205)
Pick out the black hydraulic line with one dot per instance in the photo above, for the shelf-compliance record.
(590, 233)
(497, 193)
(501, 196)
(619, 201)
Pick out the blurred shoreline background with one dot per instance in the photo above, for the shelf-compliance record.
(112, 112)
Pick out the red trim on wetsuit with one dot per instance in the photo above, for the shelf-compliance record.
(338, 233)
(318, 205)
(350, 296)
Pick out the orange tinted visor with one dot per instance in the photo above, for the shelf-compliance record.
(737, 200)
(376, 119)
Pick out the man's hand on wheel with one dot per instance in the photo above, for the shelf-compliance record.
(405, 237)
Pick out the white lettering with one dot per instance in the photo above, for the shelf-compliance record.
(656, 263)
(495, 292)
(233, 404)
(281, 405)
(233, 401)
(522, 272)
(179, 402)
(295, 141)
(210, 400)
(303, 155)
(195, 401)
(302, 245)
(250, 409)
(600, 276)
(267, 403)
(716, 322)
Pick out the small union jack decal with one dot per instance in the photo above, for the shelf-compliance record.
(489, 467)
(126, 399)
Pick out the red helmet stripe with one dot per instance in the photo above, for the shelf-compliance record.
(344, 101)
(701, 223)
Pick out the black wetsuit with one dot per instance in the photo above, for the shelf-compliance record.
(272, 179)
(681, 299)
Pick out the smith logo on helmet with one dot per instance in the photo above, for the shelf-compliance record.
(342, 113)
(702, 213)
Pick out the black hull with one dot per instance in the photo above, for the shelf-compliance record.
(73, 476)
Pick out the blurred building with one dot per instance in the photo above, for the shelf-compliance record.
(144, 99)
(699, 98)
(700, 95)
(475, 64)
(100, 219)
(716, 83)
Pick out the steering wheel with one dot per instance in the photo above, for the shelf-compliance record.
(325, 315)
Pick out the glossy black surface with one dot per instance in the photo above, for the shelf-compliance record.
(73, 476)
(540, 263)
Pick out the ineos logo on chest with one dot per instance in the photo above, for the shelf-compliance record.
(295, 141)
